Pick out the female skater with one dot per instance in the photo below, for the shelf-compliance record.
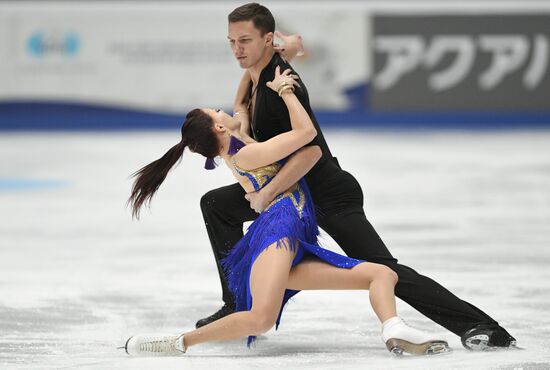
(279, 255)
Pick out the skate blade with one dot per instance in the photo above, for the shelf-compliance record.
(125, 347)
(400, 347)
(481, 343)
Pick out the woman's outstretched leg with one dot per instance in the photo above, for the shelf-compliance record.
(268, 281)
(314, 274)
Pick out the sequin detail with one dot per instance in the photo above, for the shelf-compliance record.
(260, 177)
(295, 194)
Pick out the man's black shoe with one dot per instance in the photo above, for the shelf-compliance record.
(222, 312)
(487, 337)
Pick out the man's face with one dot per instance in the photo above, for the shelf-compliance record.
(247, 44)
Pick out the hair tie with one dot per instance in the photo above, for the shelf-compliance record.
(210, 164)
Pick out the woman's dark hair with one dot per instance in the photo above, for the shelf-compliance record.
(196, 134)
(260, 16)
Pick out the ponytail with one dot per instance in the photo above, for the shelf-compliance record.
(149, 178)
(197, 134)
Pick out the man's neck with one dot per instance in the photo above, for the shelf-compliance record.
(257, 68)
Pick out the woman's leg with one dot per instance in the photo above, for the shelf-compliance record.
(399, 338)
(268, 281)
(314, 274)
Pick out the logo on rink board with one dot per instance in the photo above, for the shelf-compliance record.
(42, 44)
(461, 62)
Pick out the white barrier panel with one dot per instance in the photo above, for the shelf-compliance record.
(171, 56)
(165, 58)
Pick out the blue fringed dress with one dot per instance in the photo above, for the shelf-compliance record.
(289, 221)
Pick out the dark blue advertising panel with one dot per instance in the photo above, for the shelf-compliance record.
(496, 63)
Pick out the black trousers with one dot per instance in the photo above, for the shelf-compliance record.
(339, 209)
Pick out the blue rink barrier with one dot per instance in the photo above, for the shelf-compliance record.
(25, 184)
(22, 116)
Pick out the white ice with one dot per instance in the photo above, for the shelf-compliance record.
(78, 276)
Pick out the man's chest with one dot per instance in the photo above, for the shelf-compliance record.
(269, 117)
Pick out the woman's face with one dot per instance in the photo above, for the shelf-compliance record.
(221, 118)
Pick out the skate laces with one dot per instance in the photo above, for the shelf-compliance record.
(164, 345)
(396, 320)
(407, 324)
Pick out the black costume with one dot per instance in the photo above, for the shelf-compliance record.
(338, 201)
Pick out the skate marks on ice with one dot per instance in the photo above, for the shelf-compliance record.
(78, 276)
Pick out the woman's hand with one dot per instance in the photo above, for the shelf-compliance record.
(283, 81)
(290, 47)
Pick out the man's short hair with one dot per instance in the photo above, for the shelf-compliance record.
(260, 16)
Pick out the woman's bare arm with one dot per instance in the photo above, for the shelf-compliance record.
(281, 146)
(240, 105)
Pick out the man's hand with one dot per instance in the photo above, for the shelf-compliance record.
(259, 200)
(242, 116)
(291, 46)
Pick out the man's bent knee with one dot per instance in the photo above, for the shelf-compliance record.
(208, 200)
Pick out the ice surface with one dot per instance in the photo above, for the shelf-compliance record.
(78, 276)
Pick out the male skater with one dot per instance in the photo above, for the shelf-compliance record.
(337, 195)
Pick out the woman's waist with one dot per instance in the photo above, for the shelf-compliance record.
(294, 196)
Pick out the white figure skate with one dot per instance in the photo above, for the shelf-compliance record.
(155, 345)
(401, 338)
